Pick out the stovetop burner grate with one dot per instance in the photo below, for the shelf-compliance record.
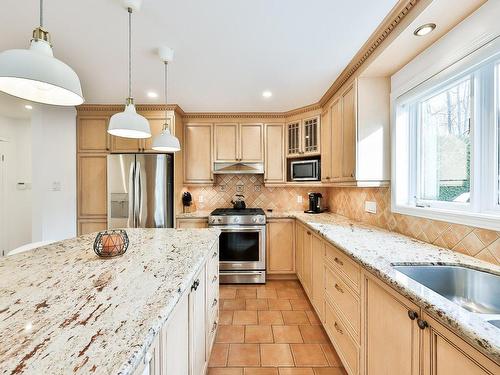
(233, 212)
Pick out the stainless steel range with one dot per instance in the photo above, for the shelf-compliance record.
(242, 244)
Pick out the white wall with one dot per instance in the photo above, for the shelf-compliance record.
(16, 209)
(54, 164)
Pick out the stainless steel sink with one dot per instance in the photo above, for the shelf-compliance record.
(475, 291)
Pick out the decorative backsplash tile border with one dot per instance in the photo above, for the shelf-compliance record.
(479, 243)
(255, 193)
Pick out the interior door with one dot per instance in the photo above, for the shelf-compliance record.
(121, 191)
(154, 193)
(3, 234)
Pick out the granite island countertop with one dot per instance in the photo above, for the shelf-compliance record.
(376, 250)
(65, 310)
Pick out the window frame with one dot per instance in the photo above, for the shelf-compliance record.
(483, 67)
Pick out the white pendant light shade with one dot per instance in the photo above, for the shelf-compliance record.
(166, 142)
(129, 124)
(35, 74)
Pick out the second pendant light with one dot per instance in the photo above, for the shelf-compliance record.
(129, 124)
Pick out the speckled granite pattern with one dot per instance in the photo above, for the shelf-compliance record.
(64, 310)
(377, 249)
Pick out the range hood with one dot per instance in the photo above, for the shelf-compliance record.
(238, 168)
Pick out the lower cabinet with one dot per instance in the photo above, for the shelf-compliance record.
(307, 261)
(299, 250)
(318, 275)
(280, 246)
(191, 223)
(184, 343)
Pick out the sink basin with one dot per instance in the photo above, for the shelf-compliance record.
(475, 291)
(496, 323)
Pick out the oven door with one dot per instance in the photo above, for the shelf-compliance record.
(242, 247)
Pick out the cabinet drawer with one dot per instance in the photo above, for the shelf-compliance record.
(347, 302)
(348, 267)
(213, 323)
(347, 349)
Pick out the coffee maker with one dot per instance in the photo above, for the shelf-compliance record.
(315, 206)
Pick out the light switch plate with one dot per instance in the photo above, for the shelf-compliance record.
(201, 199)
(371, 207)
(299, 198)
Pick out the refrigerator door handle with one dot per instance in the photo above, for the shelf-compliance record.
(131, 196)
(138, 201)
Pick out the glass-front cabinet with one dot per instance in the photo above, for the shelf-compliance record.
(303, 137)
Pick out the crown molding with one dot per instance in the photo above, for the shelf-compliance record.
(119, 107)
(388, 25)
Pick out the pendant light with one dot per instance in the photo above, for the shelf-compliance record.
(35, 74)
(129, 124)
(165, 141)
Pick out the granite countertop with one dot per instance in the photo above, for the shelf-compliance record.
(63, 309)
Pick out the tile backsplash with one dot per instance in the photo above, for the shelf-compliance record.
(254, 191)
(479, 243)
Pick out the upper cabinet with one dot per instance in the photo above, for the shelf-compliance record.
(93, 134)
(239, 142)
(355, 149)
(198, 154)
(303, 137)
(275, 154)
(156, 126)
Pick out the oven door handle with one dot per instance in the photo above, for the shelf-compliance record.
(228, 228)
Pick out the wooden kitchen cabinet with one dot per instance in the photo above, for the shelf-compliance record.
(226, 142)
(336, 141)
(92, 134)
(445, 353)
(198, 324)
(318, 276)
(92, 190)
(251, 142)
(280, 246)
(125, 145)
(198, 154)
(326, 146)
(191, 223)
(299, 250)
(349, 133)
(392, 339)
(303, 137)
(86, 226)
(307, 261)
(274, 166)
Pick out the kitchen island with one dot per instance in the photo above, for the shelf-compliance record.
(65, 310)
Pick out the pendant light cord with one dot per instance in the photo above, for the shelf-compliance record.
(166, 99)
(130, 52)
(41, 13)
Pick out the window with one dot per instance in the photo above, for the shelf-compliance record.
(446, 143)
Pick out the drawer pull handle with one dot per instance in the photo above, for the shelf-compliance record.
(412, 315)
(195, 285)
(338, 261)
(339, 330)
(308, 233)
(214, 302)
(214, 326)
(214, 279)
(339, 288)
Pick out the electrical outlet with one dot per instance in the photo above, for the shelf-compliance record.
(299, 199)
(371, 207)
(201, 199)
(222, 187)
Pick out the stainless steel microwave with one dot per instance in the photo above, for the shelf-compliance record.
(305, 170)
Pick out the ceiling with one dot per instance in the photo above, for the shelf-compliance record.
(227, 52)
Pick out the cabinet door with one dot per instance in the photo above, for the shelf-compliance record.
(92, 188)
(336, 140)
(326, 147)
(151, 362)
(392, 339)
(91, 225)
(226, 142)
(299, 251)
(192, 223)
(251, 141)
(349, 133)
(120, 144)
(293, 138)
(275, 154)
(307, 262)
(93, 134)
(156, 126)
(198, 154)
(174, 356)
(445, 353)
(318, 275)
(280, 246)
(311, 135)
(197, 324)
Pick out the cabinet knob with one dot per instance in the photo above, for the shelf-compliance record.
(195, 285)
(214, 279)
(308, 233)
(412, 314)
(214, 326)
(338, 261)
(422, 324)
(337, 286)
(214, 302)
(339, 330)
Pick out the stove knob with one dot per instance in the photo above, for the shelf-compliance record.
(236, 220)
(255, 219)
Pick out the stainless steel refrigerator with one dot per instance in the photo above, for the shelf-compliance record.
(140, 191)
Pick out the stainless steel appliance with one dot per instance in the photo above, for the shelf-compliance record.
(315, 203)
(242, 244)
(305, 170)
(140, 191)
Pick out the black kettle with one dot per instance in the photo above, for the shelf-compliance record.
(239, 203)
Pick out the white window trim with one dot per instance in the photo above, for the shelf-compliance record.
(489, 217)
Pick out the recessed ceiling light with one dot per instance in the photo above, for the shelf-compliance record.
(27, 106)
(424, 29)
(267, 94)
(152, 94)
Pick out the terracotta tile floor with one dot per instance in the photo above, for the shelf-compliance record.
(270, 330)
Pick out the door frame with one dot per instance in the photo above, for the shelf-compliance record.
(3, 192)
